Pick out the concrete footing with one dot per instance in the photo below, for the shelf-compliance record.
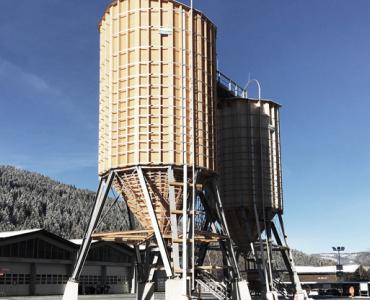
(71, 291)
(145, 291)
(174, 290)
(301, 295)
(240, 290)
(272, 296)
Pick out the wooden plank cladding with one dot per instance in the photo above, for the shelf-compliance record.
(148, 88)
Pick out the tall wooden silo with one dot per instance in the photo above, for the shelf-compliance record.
(151, 115)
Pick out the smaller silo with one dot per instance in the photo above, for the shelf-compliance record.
(248, 157)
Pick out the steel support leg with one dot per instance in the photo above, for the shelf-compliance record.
(261, 250)
(226, 230)
(301, 294)
(284, 254)
(157, 232)
(269, 253)
(173, 217)
(240, 289)
(145, 291)
(71, 290)
(145, 288)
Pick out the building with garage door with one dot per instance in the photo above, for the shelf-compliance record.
(333, 281)
(37, 262)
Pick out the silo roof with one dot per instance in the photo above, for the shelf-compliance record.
(252, 99)
(114, 2)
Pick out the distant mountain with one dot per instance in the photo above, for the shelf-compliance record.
(361, 258)
(30, 200)
(301, 259)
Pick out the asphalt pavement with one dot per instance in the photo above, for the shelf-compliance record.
(157, 296)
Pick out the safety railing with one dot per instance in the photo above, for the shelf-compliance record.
(231, 85)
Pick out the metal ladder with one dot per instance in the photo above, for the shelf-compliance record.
(207, 281)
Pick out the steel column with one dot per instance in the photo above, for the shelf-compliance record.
(71, 289)
(226, 229)
(173, 217)
(283, 253)
(101, 196)
(297, 281)
(157, 232)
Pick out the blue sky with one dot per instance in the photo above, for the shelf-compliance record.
(313, 57)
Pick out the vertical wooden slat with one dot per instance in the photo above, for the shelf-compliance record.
(150, 80)
(161, 46)
(110, 88)
(171, 97)
(136, 81)
(127, 84)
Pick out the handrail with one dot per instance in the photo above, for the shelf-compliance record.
(231, 85)
(236, 89)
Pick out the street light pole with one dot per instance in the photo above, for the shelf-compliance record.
(339, 267)
(338, 249)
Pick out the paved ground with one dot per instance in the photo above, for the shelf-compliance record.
(91, 297)
(157, 296)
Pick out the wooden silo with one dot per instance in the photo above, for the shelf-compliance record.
(157, 98)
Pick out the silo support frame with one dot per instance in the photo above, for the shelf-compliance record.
(287, 255)
(71, 290)
(154, 221)
(225, 229)
(239, 287)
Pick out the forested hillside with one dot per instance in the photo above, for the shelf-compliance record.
(300, 259)
(303, 259)
(361, 258)
(30, 200)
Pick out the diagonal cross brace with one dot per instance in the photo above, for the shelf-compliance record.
(153, 218)
(100, 199)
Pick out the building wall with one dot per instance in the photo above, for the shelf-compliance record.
(119, 279)
(40, 263)
(50, 278)
(15, 279)
(318, 277)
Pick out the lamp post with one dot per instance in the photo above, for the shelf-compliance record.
(338, 249)
(339, 267)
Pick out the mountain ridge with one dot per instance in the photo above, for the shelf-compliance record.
(360, 257)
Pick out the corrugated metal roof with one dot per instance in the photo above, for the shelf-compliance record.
(326, 269)
(7, 234)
